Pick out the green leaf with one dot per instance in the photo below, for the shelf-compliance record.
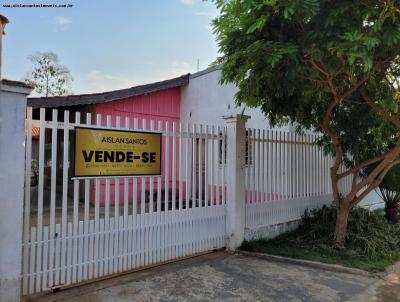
(258, 25)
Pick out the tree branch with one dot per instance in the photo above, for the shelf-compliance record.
(395, 121)
(391, 156)
(375, 183)
(362, 165)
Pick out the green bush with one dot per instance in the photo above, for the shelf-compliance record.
(368, 233)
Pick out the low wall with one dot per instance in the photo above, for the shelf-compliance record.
(270, 231)
(269, 219)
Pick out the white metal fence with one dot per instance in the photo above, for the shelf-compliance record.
(77, 230)
(83, 229)
(286, 173)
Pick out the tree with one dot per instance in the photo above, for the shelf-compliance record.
(330, 66)
(49, 77)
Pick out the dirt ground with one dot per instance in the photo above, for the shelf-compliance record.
(225, 277)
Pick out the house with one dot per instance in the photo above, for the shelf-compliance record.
(159, 102)
(189, 99)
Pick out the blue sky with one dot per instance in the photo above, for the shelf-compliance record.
(112, 44)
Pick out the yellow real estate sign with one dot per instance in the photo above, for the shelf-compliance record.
(105, 152)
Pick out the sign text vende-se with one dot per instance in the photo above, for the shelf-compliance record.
(105, 152)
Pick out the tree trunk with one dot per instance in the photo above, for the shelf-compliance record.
(341, 225)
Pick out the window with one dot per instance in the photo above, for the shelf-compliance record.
(248, 150)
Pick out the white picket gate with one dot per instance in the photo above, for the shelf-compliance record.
(79, 230)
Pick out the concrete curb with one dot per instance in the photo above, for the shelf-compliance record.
(308, 263)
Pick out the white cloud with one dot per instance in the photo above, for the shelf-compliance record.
(187, 2)
(97, 81)
(179, 68)
(176, 69)
(61, 23)
(61, 20)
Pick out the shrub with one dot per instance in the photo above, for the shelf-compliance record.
(389, 191)
(368, 233)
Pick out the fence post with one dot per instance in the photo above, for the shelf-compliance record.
(235, 179)
(12, 171)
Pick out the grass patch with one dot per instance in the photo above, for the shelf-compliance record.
(372, 243)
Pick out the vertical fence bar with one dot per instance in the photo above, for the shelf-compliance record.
(206, 187)
(253, 166)
(32, 271)
(309, 167)
(285, 171)
(314, 166)
(256, 167)
(160, 216)
(173, 166)
(166, 192)
(275, 159)
(212, 195)
(153, 218)
(135, 216)
(45, 257)
(166, 173)
(69, 252)
(126, 231)
(296, 156)
(107, 227)
(53, 194)
(180, 159)
(143, 181)
(151, 187)
(223, 165)
(172, 216)
(194, 147)
(39, 226)
(263, 166)
(187, 165)
(115, 242)
(143, 217)
(292, 169)
(320, 173)
(281, 166)
(75, 216)
(64, 195)
(27, 206)
(97, 261)
(278, 168)
(200, 164)
(80, 250)
(135, 182)
(219, 164)
(268, 163)
(86, 260)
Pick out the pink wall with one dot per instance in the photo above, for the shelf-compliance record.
(162, 106)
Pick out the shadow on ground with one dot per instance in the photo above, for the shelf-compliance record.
(225, 277)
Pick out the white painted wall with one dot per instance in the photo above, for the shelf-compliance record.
(12, 171)
(205, 101)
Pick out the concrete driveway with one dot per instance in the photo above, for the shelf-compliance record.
(225, 277)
